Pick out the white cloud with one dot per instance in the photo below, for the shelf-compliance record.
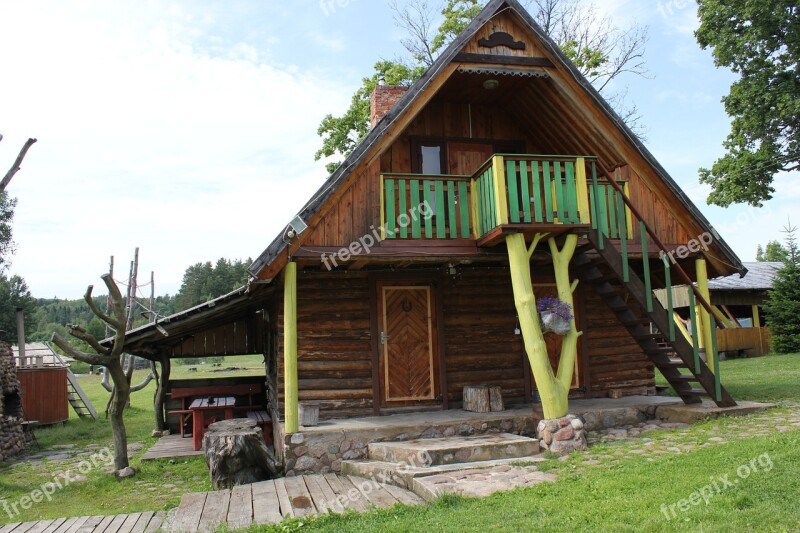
(154, 131)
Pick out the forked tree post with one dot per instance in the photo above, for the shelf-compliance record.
(110, 358)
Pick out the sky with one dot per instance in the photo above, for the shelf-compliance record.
(188, 128)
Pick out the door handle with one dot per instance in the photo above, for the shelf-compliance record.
(384, 337)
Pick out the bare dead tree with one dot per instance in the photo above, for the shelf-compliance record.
(416, 18)
(17, 164)
(110, 358)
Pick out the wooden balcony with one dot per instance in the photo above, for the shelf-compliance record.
(507, 194)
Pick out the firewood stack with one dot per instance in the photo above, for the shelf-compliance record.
(12, 437)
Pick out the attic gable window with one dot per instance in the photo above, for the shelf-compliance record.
(431, 157)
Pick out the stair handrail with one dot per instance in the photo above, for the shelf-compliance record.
(613, 182)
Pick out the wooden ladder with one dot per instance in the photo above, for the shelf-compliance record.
(676, 359)
(78, 399)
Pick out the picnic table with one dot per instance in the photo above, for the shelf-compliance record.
(200, 407)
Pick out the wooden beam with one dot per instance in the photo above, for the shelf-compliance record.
(494, 59)
(756, 317)
(290, 347)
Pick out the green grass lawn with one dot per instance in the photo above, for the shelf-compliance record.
(158, 485)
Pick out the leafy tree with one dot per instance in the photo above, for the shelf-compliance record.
(783, 300)
(775, 252)
(7, 205)
(204, 281)
(14, 294)
(760, 41)
(600, 50)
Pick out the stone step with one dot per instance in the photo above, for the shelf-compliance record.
(449, 450)
(402, 475)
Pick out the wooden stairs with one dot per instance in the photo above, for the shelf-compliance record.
(78, 399)
(687, 374)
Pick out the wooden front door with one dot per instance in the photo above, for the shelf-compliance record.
(466, 158)
(407, 344)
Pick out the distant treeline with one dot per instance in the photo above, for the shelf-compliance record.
(201, 282)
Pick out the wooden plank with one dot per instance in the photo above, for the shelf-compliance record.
(441, 221)
(572, 193)
(500, 190)
(426, 195)
(376, 494)
(130, 521)
(623, 238)
(463, 206)
(391, 215)
(560, 199)
(283, 498)
(334, 505)
(187, 517)
(240, 508)
(668, 286)
(299, 497)
(342, 486)
(141, 524)
(215, 511)
(513, 193)
(613, 223)
(383, 208)
(113, 525)
(628, 214)
(416, 227)
(495, 59)
(36, 526)
(404, 496)
(156, 522)
(266, 504)
(401, 192)
(648, 287)
(525, 192)
(548, 193)
(320, 502)
(602, 207)
(452, 210)
(73, 525)
(8, 528)
(91, 524)
(55, 525)
(537, 192)
(582, 187)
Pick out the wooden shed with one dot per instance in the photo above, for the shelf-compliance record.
(42, 374)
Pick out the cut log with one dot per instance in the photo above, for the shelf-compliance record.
(483, 398)
(496, 398)
(476, 399)
(236, 454)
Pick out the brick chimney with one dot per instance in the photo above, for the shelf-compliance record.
(383, 99)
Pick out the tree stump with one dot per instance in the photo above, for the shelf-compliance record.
(483, 398)
(236, 453)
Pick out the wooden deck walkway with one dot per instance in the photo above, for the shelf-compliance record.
(171, 446)
(124, 523)
(269, 502)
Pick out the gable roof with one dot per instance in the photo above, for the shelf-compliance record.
(493, 7)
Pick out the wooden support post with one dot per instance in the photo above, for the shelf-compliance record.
(756, 317)
(703, 315)
(290, 347)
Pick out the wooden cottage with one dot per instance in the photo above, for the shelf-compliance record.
(391, 291)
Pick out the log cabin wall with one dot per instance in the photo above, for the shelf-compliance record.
(335, 350)
(614, 359)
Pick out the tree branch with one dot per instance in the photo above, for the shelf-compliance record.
(17, 164)
(81, 334)
(73, 352)
(96, 310)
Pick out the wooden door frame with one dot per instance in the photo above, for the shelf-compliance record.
(429, 279)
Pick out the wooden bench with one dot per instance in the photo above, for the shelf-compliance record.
(263, 419)
(253, 391)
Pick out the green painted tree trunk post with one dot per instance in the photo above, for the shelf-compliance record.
(290, 348)
(553, 388)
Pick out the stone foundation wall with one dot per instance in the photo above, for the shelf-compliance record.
(12, 437)
(317, 451)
